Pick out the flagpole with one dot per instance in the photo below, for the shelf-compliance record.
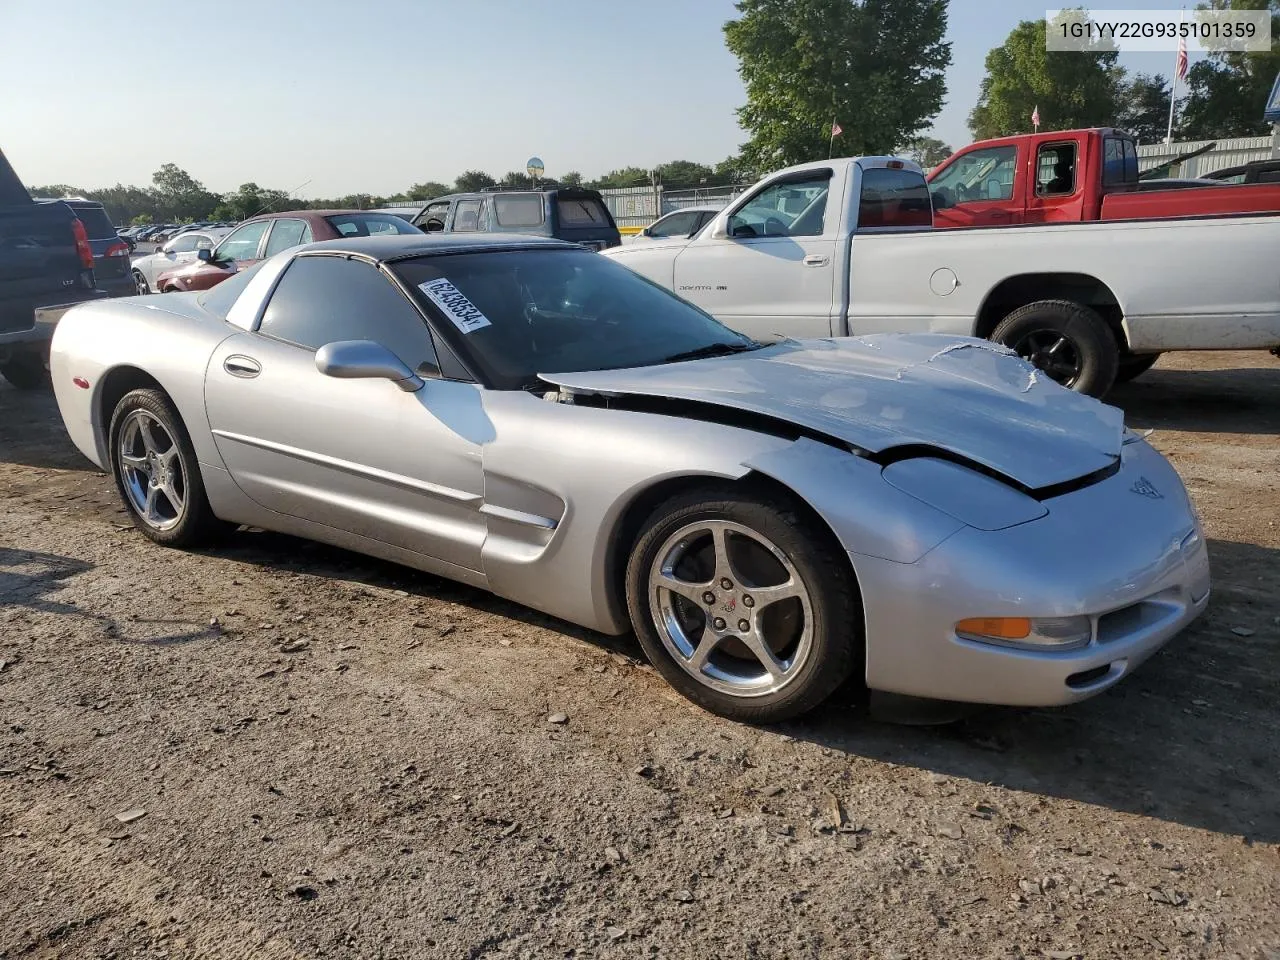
(831, 144)
(1173, 90)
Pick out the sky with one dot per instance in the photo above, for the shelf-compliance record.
(337, 96)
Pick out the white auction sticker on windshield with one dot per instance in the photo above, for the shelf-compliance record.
(466, 316)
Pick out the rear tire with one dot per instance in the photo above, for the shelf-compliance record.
(156, 471)
(1134, 365)
(790, 599)
(26, 371)
(1068, 341)
(140, 284)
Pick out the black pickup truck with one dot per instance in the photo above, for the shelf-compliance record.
(46, 267)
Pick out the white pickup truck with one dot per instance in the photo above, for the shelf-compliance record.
(845, 247)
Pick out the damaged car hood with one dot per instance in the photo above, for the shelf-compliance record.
(971, 398)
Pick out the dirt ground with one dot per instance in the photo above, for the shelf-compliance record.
(393, 788)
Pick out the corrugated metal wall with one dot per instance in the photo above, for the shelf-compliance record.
(635, 207)
(1227, 153)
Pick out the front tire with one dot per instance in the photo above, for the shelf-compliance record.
(156, 471)
(26, 371)
(1067, 341)
(744, 604)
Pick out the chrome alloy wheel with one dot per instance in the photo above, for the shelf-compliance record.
(731, 608)
(152, 471)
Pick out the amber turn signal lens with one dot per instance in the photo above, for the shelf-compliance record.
(999, 628)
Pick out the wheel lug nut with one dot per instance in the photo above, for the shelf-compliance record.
(708, 597)
(726, 583)
(718, 623)
(748, 601)
(744, 626)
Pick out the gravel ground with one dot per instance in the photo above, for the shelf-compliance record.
(281, 750)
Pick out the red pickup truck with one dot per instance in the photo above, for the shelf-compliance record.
(1072, 175)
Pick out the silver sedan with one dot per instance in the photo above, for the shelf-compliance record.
(183, 248)
(924, 513)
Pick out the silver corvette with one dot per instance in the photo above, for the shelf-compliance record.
(925, 513)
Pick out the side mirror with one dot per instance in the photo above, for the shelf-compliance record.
(365, 360)
(646, 232)
(204, 255)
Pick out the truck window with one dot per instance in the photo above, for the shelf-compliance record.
(894, 198)
(1056, 170)
(978, 175)
(518, 209)
(1119, 162)
(467, 215)
(790, 208)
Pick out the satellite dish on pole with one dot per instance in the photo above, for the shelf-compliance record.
(535, 167)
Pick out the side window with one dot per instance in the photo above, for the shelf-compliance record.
(978, 175)
(285, 234)
(791, 208)
(204, 243)
(674, 225)
(184, 244)
(893, 198)
(434, 211)
(467, 215)
(323, 299)
(242, 244)
(1056, 168)
(518, 210)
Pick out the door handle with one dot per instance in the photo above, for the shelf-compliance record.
(239, 365)
(816, 260)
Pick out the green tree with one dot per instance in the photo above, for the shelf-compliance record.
(572, 179)
(516, 178)
(179, 196)
(626, 177)
(735, 170)
(1228, 91)
(1144, 107)
(426, 191)
(926, 151)
(684, 173)
(473, 180)
(874, 66)
(1071, 89)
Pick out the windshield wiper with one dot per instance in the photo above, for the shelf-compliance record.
(711, 350)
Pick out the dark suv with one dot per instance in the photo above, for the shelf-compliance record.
(110, 251)
(566, 213)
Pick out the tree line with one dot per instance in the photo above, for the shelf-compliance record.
(175, 196)
(846, 77)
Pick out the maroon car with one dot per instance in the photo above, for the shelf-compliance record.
(264, 236)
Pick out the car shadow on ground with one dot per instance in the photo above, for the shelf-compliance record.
(1189, 737)
(31, 431)
(1176, 740)
(31, 581)
(1240, 400)
(279, 551)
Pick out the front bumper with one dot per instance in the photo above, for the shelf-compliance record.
(1127, 552)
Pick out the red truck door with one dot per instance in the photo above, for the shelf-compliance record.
(1057, 178)
(979, 188)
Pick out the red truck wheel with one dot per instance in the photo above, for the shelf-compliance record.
(1068, 341)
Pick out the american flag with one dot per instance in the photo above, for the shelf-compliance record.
(1180, 64)
(1035, 116)
(835, 129)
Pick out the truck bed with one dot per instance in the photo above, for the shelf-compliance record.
(1190, 284)
(1252, 198)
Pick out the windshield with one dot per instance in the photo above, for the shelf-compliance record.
(519, 313)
